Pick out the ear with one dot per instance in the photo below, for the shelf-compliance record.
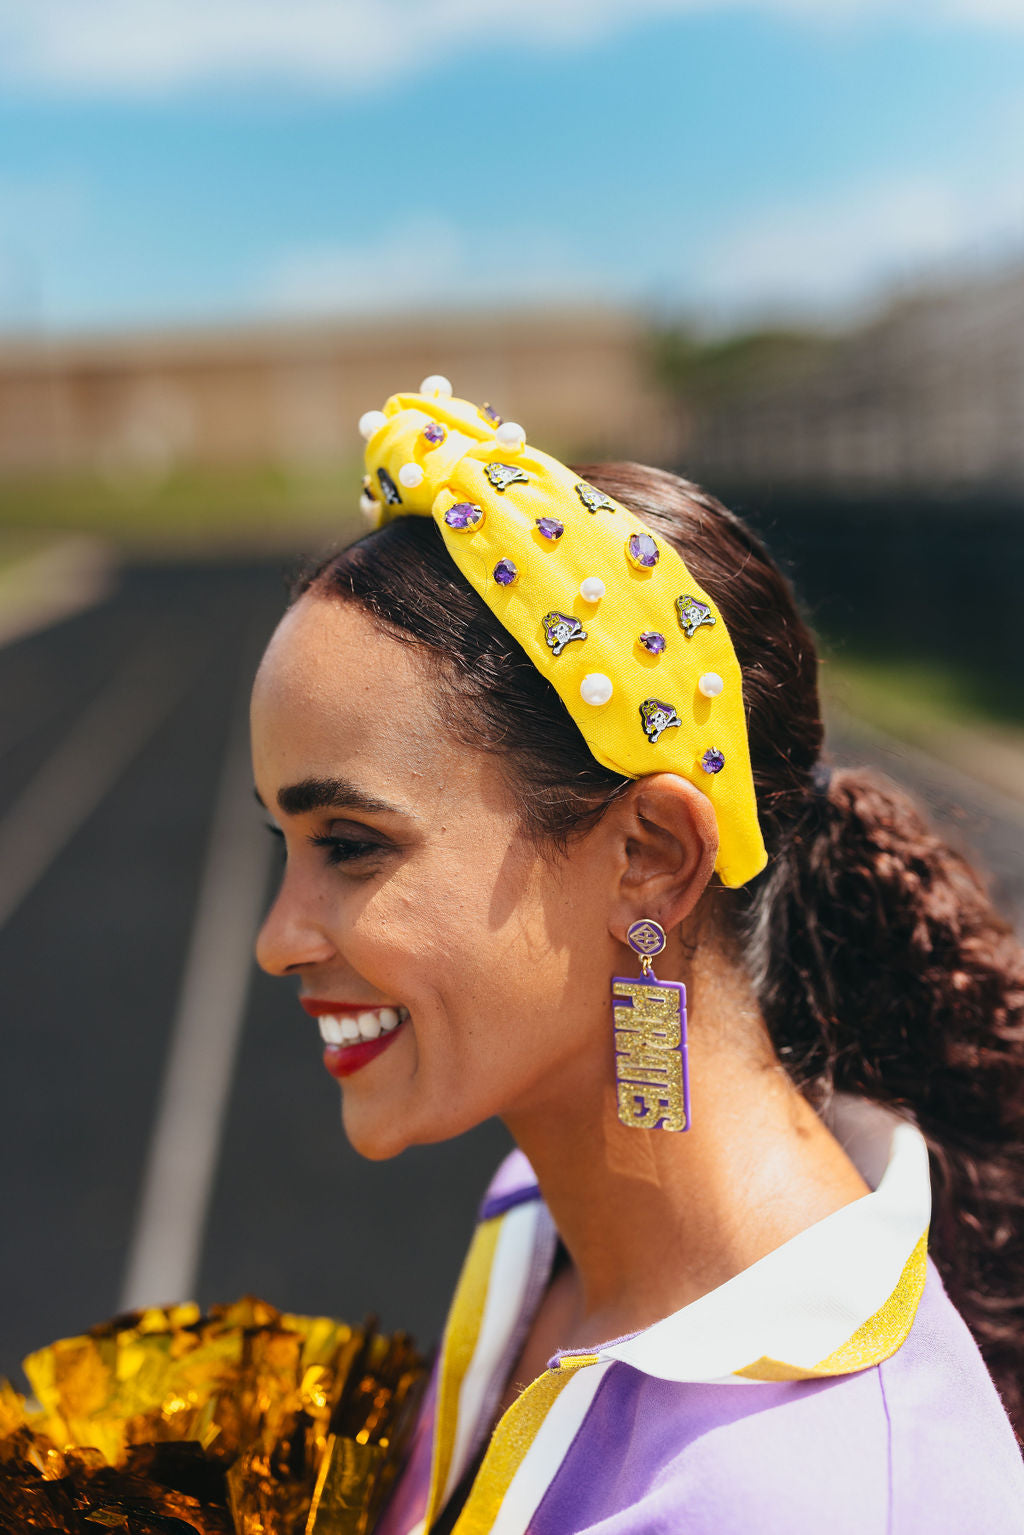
(668, 843)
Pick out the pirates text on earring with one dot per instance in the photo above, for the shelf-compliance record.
(651, 1068)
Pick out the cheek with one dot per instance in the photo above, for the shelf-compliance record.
(508, 979)
(486, 954)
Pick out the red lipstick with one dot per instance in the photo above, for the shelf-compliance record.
(342, 1060)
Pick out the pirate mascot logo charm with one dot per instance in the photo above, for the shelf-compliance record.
(560, 628)
(692, 614)
(657, 717)
(502, 476)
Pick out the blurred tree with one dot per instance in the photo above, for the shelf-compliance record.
(709, 370)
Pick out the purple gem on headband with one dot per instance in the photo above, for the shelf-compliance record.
(550, 527)
(434, 432)
(490, 414)
(505, 572)
(464, 516)
(642, 550)
(713, 761)
(653, 641)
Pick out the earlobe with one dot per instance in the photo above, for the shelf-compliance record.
(670, 843)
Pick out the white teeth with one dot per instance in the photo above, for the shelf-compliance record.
(369, 1025)
(331, 1030)
(349, 1030)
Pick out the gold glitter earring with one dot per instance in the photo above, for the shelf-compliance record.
(651, 1066)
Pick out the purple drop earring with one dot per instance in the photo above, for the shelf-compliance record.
(651, 1068)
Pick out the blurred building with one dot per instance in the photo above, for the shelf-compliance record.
(928, 396)
(579, 381)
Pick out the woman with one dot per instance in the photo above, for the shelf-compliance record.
(536, 730)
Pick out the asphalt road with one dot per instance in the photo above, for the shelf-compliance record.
(117, 727)
(165, 1123)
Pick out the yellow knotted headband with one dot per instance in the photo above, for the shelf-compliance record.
(635, 648)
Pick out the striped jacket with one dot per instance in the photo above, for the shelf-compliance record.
(830, 1387)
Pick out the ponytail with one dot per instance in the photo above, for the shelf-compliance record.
(883, 970)
(881, 966)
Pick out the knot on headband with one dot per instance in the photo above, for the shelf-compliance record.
(637, 651)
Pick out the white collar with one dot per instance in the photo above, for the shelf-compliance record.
(838, 1296)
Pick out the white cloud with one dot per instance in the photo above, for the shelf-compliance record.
(425, 263)
(831, 257)
(842, 251)
(107, 46)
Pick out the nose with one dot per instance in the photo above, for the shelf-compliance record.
(291, 937)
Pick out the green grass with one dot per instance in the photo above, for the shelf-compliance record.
(248, 507)
(20, 544)
(711, 370)
(916, 700)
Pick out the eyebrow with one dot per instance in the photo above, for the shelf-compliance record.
(330, 794)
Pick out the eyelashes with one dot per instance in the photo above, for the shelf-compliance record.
(337, 850)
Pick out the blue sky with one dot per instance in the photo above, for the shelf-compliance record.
(169, 161)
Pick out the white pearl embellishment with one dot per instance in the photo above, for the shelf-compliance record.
(410, 475)
(592, 589)
(436, 387)
(710, 684)
(596, 688)
(511, 435)
(369, 421)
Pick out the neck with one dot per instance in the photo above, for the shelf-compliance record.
(654, 1219)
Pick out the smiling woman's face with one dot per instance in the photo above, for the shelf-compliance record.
(409, 886)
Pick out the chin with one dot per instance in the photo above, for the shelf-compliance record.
(379, 1135)
(376, 1137)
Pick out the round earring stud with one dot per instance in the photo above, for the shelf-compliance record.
(646, 937)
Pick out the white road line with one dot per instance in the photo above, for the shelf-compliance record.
(84, 768)
(178, 1180)
(54, 584)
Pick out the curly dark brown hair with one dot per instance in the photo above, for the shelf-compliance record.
(881, 966)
